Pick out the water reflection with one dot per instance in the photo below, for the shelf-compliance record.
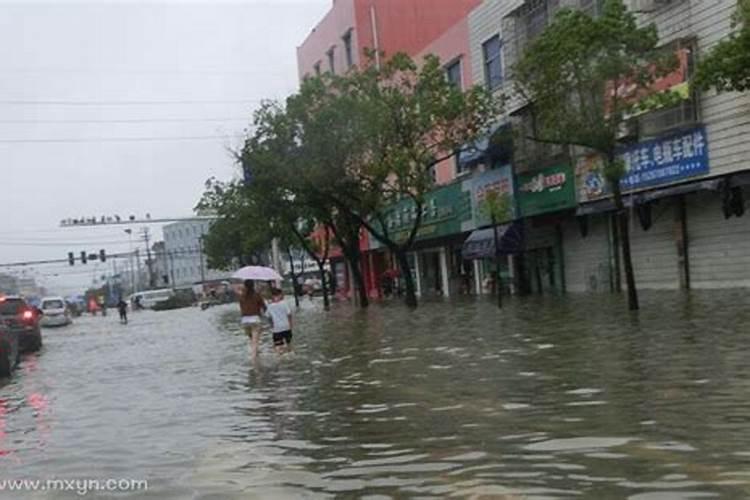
(548, 398)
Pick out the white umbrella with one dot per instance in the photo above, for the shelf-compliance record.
(257, 273)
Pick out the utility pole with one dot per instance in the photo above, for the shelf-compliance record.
(138, 269)
(171, 268)
(146, 238)
(200, 256)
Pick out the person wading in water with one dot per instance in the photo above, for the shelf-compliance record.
(252, 307)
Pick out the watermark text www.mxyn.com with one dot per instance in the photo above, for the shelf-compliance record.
(79, 486)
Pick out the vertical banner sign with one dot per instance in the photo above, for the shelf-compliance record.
(499, 180)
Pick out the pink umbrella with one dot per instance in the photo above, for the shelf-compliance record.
(257, 273)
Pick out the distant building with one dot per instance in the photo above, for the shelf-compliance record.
(8, 284)
(183, 254)
(160, 264)
(27, 286)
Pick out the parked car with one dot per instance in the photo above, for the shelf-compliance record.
(19, 331)
(54, 312)
(9, 350)
(148, 299)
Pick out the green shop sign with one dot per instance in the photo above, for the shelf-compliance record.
(443, 212)
(550, 190)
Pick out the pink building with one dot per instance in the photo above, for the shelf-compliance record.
(452, 47)
(351, 26)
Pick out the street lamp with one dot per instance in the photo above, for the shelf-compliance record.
(130, 259)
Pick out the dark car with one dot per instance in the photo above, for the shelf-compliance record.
(21, 332)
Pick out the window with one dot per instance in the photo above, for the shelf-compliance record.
(453, 73)
(348, 52)
(332, 60)
(316, 67)
(493, 65)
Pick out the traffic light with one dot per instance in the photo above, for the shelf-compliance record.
(71, 259)
(83, 257)
(102, 255)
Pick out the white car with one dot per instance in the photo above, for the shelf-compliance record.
(54, 312)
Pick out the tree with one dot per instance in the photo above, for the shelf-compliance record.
(406, 119)
(297, 155)
(727, 66)
(498, 207)
(237, 236)
(584, 77)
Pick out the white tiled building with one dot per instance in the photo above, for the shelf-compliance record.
(690, 243)
(185, 260)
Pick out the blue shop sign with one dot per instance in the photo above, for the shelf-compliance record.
(666, 159)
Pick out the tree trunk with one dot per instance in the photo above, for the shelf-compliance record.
(622, 218)
(403, 264)
(616, 274)
(496, 286)
(324, 285)
(294, 276)
(359, 280)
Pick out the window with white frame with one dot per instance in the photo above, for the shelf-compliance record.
(493, 63)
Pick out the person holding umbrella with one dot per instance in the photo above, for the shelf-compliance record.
(252, 307)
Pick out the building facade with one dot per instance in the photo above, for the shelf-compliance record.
(183, 254)
(686, 180)
(8, 284)
(415, 27)
(686, 186)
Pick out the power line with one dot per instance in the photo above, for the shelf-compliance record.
(60, 244)
(130, 120)
(22, 102)
(112, 139)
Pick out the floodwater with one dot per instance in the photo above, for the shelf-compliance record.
(549, 398)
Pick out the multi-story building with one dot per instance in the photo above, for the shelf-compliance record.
(687, 183)
(8, 284)
(160, 264)
(184, 254)
(686, 169)
(415, 27)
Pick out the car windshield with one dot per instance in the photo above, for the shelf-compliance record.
(53, 304)
(10, 307)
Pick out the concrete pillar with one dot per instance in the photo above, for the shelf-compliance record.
(418, 273)
(445, 277)
(478, 277)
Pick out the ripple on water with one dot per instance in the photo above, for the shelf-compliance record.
(578, 444)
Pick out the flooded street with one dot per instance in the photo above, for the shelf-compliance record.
(548, 398)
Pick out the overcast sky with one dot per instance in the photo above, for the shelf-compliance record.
(128, 107)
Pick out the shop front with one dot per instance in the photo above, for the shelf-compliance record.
(546, 199)
(492, 199)
(677, 216)
(435, 260)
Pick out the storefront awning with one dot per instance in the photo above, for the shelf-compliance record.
(608, 205)
(484, 146)
(481, 243)
(708, 185)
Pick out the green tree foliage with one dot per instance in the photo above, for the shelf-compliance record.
(398, 120)
(238, 236)
(585, 77)
(727, 66)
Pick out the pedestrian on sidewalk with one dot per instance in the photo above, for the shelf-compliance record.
(252, 306)
(281, 322)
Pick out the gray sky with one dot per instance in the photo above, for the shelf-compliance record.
(90, 92)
